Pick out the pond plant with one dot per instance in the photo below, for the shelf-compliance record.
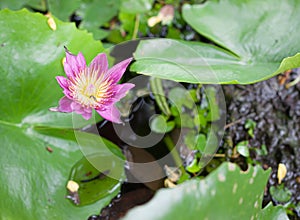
(102, 95)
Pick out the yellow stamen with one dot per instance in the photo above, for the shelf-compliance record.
(89, 89)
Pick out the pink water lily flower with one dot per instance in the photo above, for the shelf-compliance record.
(92, 87)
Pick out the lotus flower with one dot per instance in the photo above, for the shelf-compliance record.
(92, 87)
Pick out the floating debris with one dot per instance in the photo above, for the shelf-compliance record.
(73, 187)
(281, 172)
(49, 149)
(165, 16)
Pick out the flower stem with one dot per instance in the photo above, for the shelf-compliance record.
(170, 145)
(293, 83)
(158, 92)
(136, 27)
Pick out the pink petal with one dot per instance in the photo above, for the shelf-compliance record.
(121, 90)
(65, 105)
(86, 115)
(74, 64)
(68, 70)
(76, 107)
(62, 81)
(100, 63)
(116, 72)
(68, 94)
(111, 114)
(81, 110)
(88, 110)
(80, 61)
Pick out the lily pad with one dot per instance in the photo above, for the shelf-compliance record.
(256, 40)
(226, 193)
(38, 151)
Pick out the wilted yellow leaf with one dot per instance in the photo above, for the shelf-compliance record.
(281, 173)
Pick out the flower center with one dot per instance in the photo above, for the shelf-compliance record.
(89, 89)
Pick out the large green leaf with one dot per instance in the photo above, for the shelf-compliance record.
(227, 193)
(36, 154)
(260, 39)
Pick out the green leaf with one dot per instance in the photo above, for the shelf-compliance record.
(18, 4)
(273, 212)
(128, 22)
(254, 39)
(214, 111)
(136, 6)
(201, 118)
(96, 13)
(226, 193)
(256, 45)
(250, 126)
(159, 124)
(243, 148)
(174, 111)
(190, 139)
(63, 9)
(201, 142)
(181, 97)
(280, 193)
(185, 121)
(193, 167)
(36, 153)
